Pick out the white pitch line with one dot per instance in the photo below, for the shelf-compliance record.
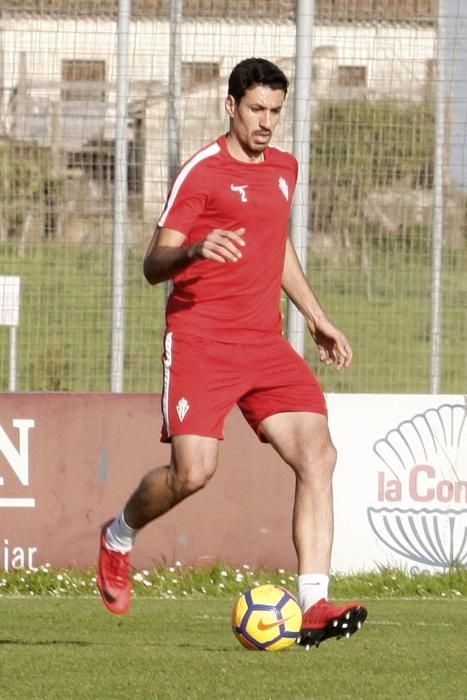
(392, 623)
(434, 624)
(383, 622)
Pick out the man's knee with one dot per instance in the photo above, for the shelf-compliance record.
(330, 457)
(193, 463)
(312, 464)
(187, 477)
(190, 478)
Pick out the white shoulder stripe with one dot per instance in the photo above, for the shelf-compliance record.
(207, 152)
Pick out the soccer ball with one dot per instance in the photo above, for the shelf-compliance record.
(266, 618)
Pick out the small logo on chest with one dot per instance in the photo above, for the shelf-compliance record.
(241, 189)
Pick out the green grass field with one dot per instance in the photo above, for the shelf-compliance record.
(65, 332)
(74, 648)
(57, 640)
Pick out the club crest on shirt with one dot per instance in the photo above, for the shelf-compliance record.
(242, 190)
(284, 188)
(182, 408)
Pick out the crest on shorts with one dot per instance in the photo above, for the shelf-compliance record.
(182, 408)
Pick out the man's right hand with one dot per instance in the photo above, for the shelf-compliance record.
(220, 245)
(166, 256)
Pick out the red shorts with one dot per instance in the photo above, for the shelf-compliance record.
(204, 379)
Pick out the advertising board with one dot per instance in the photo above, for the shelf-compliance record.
(68, 462)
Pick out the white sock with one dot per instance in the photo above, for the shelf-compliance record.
(120, 536)
(311, 588)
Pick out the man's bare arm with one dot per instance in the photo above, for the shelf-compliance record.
(295, 285)
(333, 346)
(166, 255)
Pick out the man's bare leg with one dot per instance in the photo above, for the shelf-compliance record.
(193, 462)
(304, 442)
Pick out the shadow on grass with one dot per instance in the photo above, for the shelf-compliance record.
(50, 642)
(205, 648)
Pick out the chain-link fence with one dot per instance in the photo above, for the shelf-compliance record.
(375, 185)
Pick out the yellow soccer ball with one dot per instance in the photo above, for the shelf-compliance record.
(266, 618)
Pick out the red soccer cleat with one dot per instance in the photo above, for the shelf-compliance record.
(113, 579)
(324, 620)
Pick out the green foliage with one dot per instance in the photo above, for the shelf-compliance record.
(53, 370)
(222, 580)
(360, 146)
(27, 184)
(395, 583)
(364, 145)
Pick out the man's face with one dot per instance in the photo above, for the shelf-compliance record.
(254, 120)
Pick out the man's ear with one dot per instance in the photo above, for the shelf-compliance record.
(230, 105)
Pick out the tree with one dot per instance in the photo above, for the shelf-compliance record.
(360, 146)
(28, 187)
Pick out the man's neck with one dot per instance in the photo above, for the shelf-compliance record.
(239, 153)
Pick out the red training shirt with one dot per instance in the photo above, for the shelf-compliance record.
(235, 301)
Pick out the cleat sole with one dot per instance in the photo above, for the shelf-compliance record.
(344, 626)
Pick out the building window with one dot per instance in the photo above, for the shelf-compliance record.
(351, 76)
(197, 72)
(83, 80)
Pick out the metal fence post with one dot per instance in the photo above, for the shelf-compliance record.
(302, 142)
(120, 199)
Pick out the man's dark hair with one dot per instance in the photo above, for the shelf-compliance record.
(255, 71)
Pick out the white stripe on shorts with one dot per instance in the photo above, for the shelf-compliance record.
(168, 345)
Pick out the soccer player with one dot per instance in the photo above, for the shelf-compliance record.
(223, 240)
